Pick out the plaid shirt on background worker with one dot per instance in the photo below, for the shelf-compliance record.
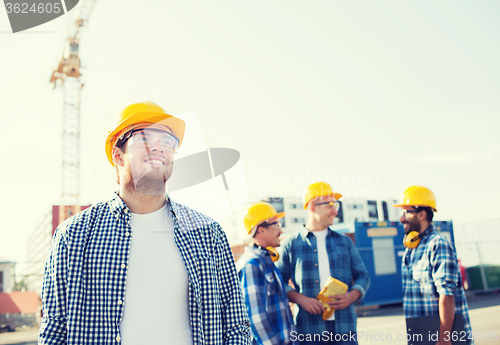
(299, 262)
(429, 270)
(265, 297)
(83, 289)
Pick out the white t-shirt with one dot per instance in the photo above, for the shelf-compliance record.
(156, 307)
(323, 261)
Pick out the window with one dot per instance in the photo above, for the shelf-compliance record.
(372, 209)
(278, 206)
(384, 208)
(1, 281)
(340, 212)
(355, 207)
(294, 206)
(298, 220)
(383, 256)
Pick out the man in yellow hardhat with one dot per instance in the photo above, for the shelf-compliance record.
(141, 268)
(432, 284)
(263, 288)
(309, 258)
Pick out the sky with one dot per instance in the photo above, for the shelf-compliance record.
(370, 96)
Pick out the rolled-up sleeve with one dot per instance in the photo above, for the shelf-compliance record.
(359, 272)
(445, 269)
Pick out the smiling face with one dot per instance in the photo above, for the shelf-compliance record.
(410, 221)
(147, 160)
(324, 210)
(268, 234)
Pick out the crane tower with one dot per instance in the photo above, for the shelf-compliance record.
(67, 77)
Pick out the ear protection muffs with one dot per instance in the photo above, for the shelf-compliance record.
(412, 239)
(272, 251)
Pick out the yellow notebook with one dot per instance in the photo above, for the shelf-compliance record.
(332, 287)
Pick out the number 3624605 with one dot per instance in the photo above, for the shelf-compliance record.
(34, 8)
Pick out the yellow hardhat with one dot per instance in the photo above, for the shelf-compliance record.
(144, 112)
(318, 189)
(418, 196)
(259, 213)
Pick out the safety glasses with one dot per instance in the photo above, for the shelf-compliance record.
(274, 225)
(406, 212)
(329, 204)
(148, 138)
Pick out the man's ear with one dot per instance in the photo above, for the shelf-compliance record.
(260, 230)
(422, 215)
(117, 155)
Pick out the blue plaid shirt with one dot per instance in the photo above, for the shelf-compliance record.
(299, 262)
(83, 291)
(265, 297)
(428, 271)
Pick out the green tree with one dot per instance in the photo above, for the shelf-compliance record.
(21, 285)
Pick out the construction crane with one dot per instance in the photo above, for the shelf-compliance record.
(67, 76)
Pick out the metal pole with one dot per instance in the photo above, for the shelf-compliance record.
(481, 268)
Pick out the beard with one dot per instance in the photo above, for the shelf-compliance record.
(413, 225)
(153, 183)
(149, 183)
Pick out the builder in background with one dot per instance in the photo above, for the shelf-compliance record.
(263, 288)
(309, 257)
(432, 284)
(140, 268)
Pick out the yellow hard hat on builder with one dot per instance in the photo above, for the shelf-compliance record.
(317, 190)
(418, 196)
(138, 113)
(258, 213)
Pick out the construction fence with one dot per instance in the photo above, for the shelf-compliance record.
(478, 249)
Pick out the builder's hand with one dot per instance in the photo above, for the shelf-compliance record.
(345, 300)
(311, 305)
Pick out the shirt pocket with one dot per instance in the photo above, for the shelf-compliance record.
(420, 271)
(271, 284)
(421, 275)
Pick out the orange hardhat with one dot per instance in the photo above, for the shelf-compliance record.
(418, 196)
(258, 213)
(144, 112)
(318, 189)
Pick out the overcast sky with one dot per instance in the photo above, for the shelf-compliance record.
(371, 96)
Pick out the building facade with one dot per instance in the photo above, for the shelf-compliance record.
(38, 246)
(7, 274)
(37, 249)
(295, 216)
